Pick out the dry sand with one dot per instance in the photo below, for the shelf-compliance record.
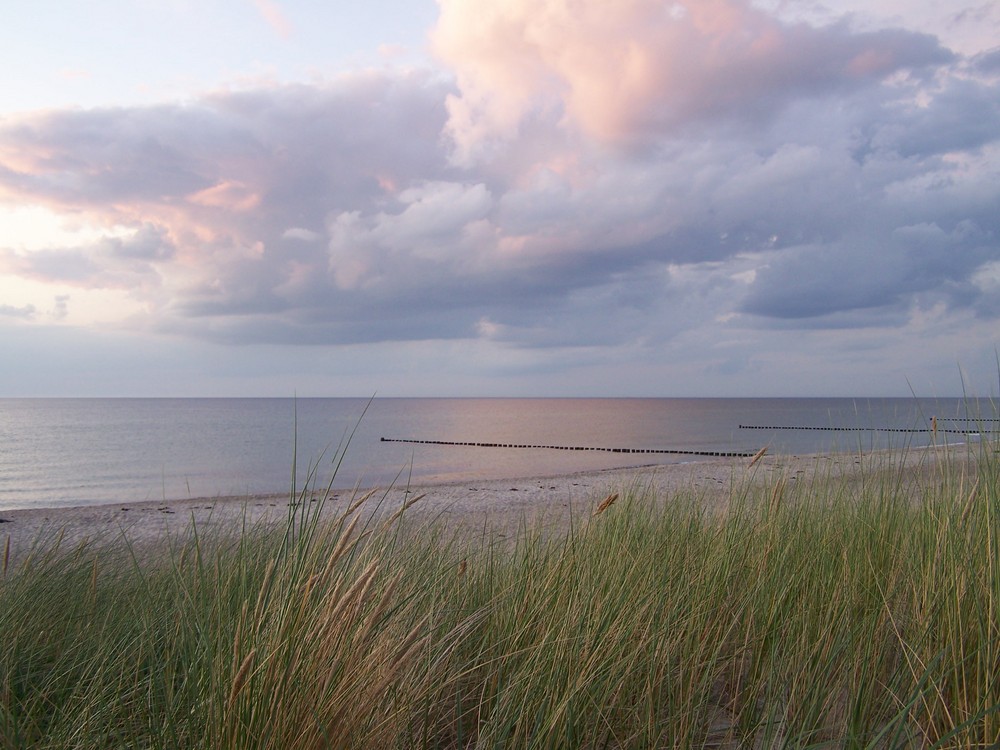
(499, 504)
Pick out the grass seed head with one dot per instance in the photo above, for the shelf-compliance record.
(240, 680)
(606, 503)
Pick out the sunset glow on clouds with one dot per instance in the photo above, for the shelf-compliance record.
(638, 198)
(638, 70)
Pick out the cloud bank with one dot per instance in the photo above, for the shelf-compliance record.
(590, 178)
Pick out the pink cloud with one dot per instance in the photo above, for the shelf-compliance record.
(74, 74)
(628, 71)
(870, 62)
(230, 195)
(275, 17)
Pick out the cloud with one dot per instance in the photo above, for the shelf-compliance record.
(439, 224)
(298, 233)
(633, 72)
(228, 194)
(987, 62)
(60, 308)
(149, 242)
(25, 312)
(708, 178)
(962, 115)
(114, 261)
(922, 264)
(275, 17)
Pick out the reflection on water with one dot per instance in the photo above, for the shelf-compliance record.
(71, 451)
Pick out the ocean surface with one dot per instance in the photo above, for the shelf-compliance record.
(61, 452)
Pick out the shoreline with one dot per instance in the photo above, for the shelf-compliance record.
(497, 503)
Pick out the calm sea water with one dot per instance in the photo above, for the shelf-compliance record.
(57, 452)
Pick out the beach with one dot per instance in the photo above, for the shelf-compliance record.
(739, 602)
(499, 504)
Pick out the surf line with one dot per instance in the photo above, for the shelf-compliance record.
(716, 454)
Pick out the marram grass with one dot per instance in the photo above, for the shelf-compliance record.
(819, 614)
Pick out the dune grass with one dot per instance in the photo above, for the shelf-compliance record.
(819, 613)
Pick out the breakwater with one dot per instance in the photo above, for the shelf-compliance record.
(672, 451)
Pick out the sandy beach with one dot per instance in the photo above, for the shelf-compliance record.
(499, 504)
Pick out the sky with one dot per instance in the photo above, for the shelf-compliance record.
(500, 198)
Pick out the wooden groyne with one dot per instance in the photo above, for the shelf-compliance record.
(672, 451)
(912, 430)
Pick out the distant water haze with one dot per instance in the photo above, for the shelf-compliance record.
(60, 452)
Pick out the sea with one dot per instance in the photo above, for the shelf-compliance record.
(67, 452)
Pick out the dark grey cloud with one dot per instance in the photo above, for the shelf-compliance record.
(871, 272)
(963, 116)
(987, 62)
